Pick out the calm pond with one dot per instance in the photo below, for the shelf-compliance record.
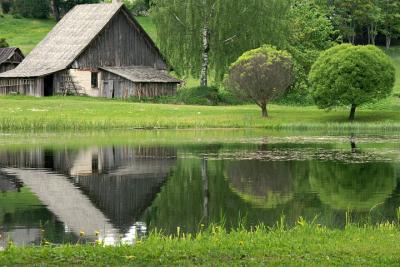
(75, 188)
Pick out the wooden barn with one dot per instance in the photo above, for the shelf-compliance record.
(10, 58)
(97, 50)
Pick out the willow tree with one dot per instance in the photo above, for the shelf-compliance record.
(199, 36)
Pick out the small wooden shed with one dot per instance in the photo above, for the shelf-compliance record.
(138, 81)
(10, 58)
(98, 50)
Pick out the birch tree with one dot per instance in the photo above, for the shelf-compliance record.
(205, 36)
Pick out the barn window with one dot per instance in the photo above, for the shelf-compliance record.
(95, 80)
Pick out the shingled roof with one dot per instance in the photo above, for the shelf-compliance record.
(142, 74)
(68, 39)
(7, 52)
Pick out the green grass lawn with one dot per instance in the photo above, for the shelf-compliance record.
(24, 33)
(148, 25)
(80, 113)
(303, 245)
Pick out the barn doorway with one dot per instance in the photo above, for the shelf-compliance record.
(48, 85)
(108, 86)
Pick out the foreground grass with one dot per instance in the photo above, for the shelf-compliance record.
(83, 113)
(302, 245)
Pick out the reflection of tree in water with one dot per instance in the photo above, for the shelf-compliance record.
(357, 187)
(181, 200)
(266, 184)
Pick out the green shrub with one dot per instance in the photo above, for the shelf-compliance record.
(227, 98)
(204, 96)
(198, 95)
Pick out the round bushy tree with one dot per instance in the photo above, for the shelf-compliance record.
(348, 75)
(261, 75)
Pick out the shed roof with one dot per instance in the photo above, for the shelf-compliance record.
(67, 40)
(7, 52)
(142, 74)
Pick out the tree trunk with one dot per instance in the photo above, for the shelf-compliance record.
(352, 39)
(369, 35)
(388, 42)
(353, 112)
(205, 58)
(264, 111)
(372, 34)
(351, 36)
(55, 9)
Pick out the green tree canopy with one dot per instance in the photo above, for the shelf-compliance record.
(390, 22)
(197, 36)
(348, 75)
(32, 8)
(261, 75)
(311, 32)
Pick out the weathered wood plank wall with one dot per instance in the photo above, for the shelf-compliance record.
(120, 44)
(7, 66)
(114, 86)
(33, 158)
(28, 86)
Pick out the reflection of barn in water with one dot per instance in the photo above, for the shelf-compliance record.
(123, 182)
(120, 182)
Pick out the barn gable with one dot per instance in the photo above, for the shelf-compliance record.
(122, 42)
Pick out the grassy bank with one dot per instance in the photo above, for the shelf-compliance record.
(83, 113)
(24, 33)
(303, 245)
